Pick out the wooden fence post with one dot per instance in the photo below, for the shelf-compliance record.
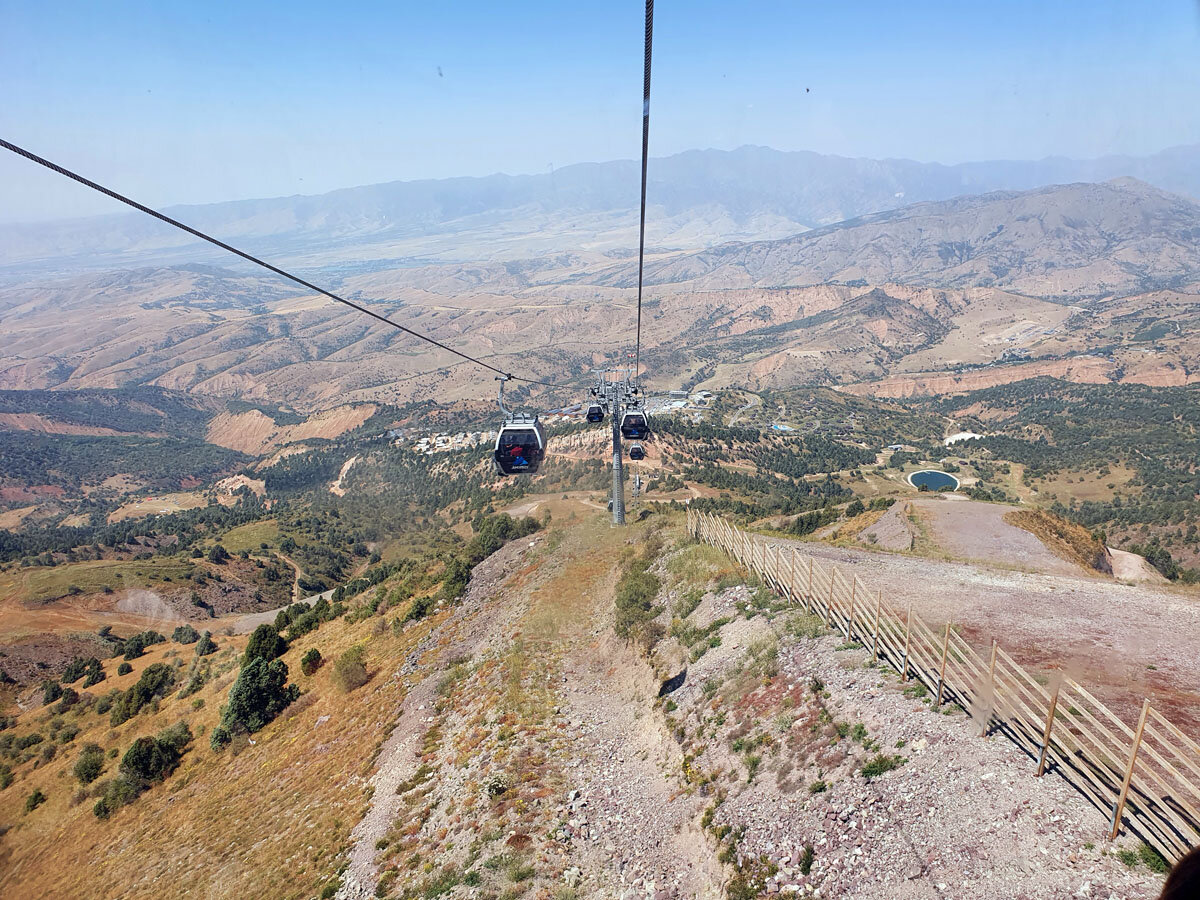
(991, 690)
(907, 633)
(829, 606)
(878, 607)
(853, 597)
(1115, 824)
(942, 671)
(808, 597)
(792, 581)
(1046, 734)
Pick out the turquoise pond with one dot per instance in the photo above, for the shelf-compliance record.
(935, 481)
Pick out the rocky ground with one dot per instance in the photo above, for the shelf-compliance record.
(533, 756)
(1122, 641)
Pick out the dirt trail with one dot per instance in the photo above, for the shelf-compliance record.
(462, 635)
(337, 487)
(645, 837)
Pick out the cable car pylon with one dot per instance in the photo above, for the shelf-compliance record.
(620, 397)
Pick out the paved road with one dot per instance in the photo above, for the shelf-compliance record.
(754, 401)
(247, 623)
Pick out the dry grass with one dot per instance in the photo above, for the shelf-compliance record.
(42, 584)
(1066, 539)
(1086, 485)
(847, 532)
(271, 820)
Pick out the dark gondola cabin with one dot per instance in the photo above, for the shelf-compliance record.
(520, 446)
(595, 413)
(635, 425)
(637, 452)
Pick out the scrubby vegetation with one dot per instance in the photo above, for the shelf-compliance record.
(154, 682)
(350, 669)
(636, 593)
(149, 761)
(260, 693)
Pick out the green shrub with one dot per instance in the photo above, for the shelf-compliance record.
(124, 668)
(51, 691)
(136, 645)
(156, 679)
(1129, 857)
(265, 644)
(419, 609)
(185, 634)
(114, 793)
(66, 700)
(94, 673)
(219, 739)
(6, 776)
(260, 693)
(350, 670)
(916, 690)
(1153, 860)
(34, 800)
(206, 645)
(79, 667)
(311, 661)
(303, 624)
(151, 759)
(90, 764)
(881, 763)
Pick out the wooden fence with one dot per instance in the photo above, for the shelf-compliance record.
(1144, 776)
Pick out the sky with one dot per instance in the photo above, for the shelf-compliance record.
(190, 102)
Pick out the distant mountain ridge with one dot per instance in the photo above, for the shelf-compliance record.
(701, 198)
(1063, 242)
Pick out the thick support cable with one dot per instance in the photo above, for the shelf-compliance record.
(162, 217)
(645, 158)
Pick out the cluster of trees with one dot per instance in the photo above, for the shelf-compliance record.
(149, 761)
(764, 494)
(1050, 426)
(138, 409)
(185, 527)
(812, 454)
(71, 461)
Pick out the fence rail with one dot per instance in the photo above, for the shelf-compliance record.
(1147, 776)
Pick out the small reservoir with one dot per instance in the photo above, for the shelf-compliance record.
(934, 480)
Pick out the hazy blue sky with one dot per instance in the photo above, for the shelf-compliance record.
(185, 101)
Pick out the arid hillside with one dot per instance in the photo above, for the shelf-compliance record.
(1088, 282)
(588, 688)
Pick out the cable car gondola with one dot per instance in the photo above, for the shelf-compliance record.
(595, 413)
(635, 424)
(520, 445)
(636, 452)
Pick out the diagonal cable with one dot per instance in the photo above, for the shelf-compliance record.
(86, 182)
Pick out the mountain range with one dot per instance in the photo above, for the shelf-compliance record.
(699, 199)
